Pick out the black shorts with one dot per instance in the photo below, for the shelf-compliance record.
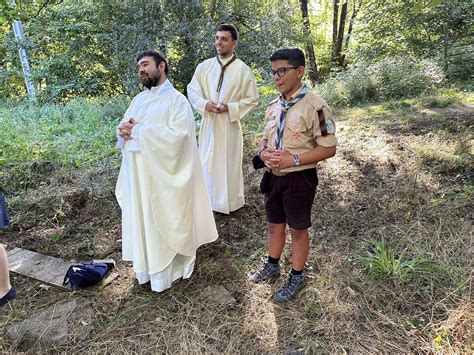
(289, 198)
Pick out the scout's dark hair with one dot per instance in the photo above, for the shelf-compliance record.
(157, 57)
(293, 55)
(230, 28)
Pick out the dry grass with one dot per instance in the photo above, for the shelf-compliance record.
(397, 175)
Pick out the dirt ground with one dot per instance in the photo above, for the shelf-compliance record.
(381, 184)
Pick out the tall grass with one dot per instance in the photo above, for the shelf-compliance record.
(384, 263)
(38, 141)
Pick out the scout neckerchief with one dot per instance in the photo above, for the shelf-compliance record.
(221, 78)
(281, 123)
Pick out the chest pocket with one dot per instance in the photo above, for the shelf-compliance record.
(297, 125)
(296, 132)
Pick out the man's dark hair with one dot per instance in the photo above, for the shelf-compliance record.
(293, 55)
(230, 28)
(157, 57)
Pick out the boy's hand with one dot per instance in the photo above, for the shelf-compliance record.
(277, 159)
(270, 159)
(285, 159)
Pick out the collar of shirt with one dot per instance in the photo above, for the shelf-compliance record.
(225, 60)
(162, 89)
(292, 96)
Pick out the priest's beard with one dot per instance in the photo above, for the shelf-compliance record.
(150, 81)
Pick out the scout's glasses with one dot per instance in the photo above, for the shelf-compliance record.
(280, 71)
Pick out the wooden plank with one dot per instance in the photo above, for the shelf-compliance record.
(38, 266)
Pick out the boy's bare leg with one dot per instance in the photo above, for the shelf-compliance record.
(276, 240)
(299, 248)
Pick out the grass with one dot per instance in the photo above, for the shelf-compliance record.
(390, 263)
(39, 142)
(383, 263)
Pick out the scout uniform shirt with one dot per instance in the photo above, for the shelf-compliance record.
(308, 123)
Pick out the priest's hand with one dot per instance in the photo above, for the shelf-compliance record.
(212, 106)
(216, 107)
(222, 107)
(125, 129)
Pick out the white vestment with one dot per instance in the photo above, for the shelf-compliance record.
(166, 213)
(220, 136)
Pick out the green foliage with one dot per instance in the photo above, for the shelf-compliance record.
(88, 49)
(398, 78)
(414, 30)
(460, 58)
(386, 80)
(383, 263)
(22, 10)
(40, 141)
(8, 11)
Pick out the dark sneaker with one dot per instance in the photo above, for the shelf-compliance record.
(290, 289)
(267, 272)
(9, 296)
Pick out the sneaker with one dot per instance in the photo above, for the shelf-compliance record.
(267, 272)
(8, 297)
(290, 289)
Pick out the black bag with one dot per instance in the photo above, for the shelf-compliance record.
(257, 162)
(265, 181)
(82, 275)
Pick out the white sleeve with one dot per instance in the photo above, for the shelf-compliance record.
(195, 91)
(237, 110)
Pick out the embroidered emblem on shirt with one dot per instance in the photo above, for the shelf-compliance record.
(329, 126)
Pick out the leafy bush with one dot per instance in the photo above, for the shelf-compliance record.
(461, 67)
(362, 87)
(38, 141)
(389, 79)
(398, 78)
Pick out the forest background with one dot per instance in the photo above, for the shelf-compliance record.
(88, 48)
(393, 275)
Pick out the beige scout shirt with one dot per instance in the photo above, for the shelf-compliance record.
(302, 131)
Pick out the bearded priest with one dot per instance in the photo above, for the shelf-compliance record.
(166, 213)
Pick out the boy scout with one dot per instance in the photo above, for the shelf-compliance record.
(299, 132)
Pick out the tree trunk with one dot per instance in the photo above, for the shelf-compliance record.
(340, 33)
(351, 23)
(334, 27)
(313, 68)
(213, 8)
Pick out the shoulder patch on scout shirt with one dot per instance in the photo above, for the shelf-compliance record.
(326, 125)
(271, 109)
(330, 127)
